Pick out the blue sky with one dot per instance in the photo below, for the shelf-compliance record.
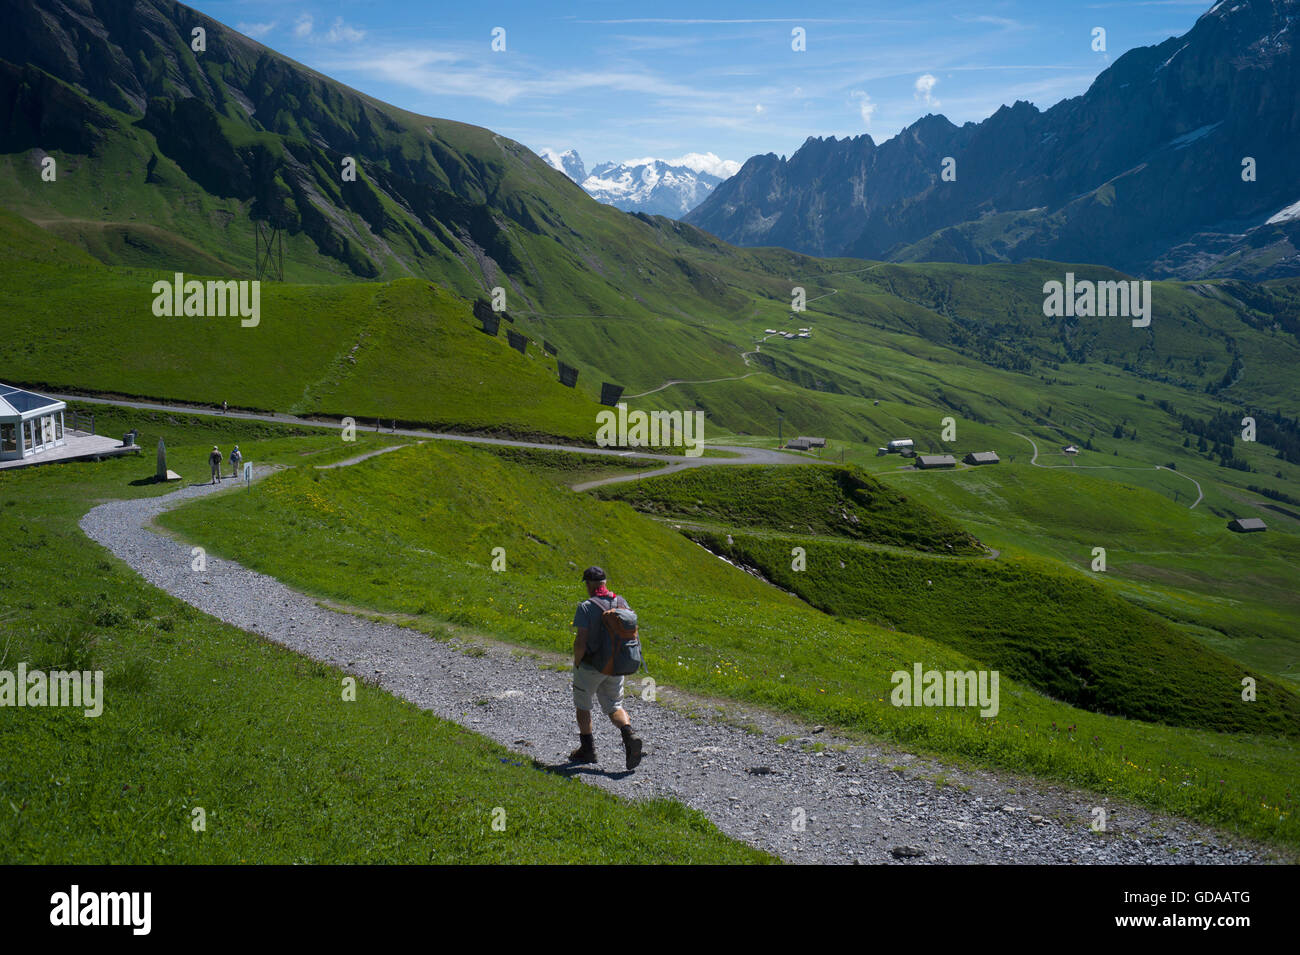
(618, 81)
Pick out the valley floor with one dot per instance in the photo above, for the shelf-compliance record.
(754, 776)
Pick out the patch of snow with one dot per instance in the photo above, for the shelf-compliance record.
(567, 162)
(1286, 215)
(1171, 59)
(1185, 140)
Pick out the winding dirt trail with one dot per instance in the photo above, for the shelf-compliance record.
(1200, 495)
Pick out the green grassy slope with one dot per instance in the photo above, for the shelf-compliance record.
(1054, 630)
(838, 502)
(1237, 590)
(1066, 637)
(413, 532)
(179, 183)
(199, 714)
(404, 349)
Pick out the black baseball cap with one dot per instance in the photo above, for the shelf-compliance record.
(593, 573)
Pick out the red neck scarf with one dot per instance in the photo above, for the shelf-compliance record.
(605, 592)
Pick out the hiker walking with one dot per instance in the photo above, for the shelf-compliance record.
(235, 458)
(223, 406)
(214, 462)
(593, 645)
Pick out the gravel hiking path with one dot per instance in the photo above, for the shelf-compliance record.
(361, 457)
(756, 775)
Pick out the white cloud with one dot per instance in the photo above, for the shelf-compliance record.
(1003, 22)
(464, 73)
(303, 26)
(256, 30)
(758, 108)
(925, 84)
(341, 31)
(865, 106)
(707, 162)
(696, 162)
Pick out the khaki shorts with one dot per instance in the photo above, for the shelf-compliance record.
(608, 689)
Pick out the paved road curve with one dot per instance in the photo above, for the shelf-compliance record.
(672, 463)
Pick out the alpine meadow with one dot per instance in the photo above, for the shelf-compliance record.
(929, 495)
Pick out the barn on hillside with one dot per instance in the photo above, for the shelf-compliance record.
(927, 461)
(1247, 525)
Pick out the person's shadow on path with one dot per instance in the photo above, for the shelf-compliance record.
(569, 770)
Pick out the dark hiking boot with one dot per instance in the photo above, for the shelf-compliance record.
(632, 746)
(586, 753)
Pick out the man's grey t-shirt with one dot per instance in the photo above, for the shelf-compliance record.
(588, 615)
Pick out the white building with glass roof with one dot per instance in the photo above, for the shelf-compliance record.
(30, 424)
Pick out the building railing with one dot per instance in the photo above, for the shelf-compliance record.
(77, 418)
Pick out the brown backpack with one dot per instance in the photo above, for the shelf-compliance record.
(620, 654)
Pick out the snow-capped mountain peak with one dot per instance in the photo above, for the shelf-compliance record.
(567, 162)
(656, 186)
(667, 187)
(708, 163)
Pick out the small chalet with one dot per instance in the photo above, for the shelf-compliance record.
(927, 461)
(1247, 525)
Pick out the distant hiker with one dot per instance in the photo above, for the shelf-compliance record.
(596, 671)
(223, 407)
(214, 461)
(235, 458)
